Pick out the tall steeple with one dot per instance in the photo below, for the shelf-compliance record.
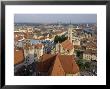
(70, 33)
(58, 47)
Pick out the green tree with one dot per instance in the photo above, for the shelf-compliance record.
(59, 38)
(63, 38)
(56, 39)
(81, 64)
(87, 65)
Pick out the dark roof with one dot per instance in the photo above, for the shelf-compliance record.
(45, 63)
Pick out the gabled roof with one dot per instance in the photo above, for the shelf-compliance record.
(45, 63)
(67, 45)
(47, 57)
(67, 62)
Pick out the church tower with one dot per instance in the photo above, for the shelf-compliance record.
(58, 47)
(70, 33)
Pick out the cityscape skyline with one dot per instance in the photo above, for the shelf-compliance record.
(55, 18)
(55, 45)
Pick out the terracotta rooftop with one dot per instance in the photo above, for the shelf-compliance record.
(67, 45)
(18, 38)
(47, 57)
(67, 62)
(38, 45)
(18, 56)
(46, 62)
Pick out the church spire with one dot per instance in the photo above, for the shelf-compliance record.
(70, 33)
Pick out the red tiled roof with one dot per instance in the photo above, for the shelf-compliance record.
(47, 57)
(18, 56)
(68, 64)
(18, 38)
(67, 45)
(45, 63)
(38, 45)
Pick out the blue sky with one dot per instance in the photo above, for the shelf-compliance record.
(53, 18)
